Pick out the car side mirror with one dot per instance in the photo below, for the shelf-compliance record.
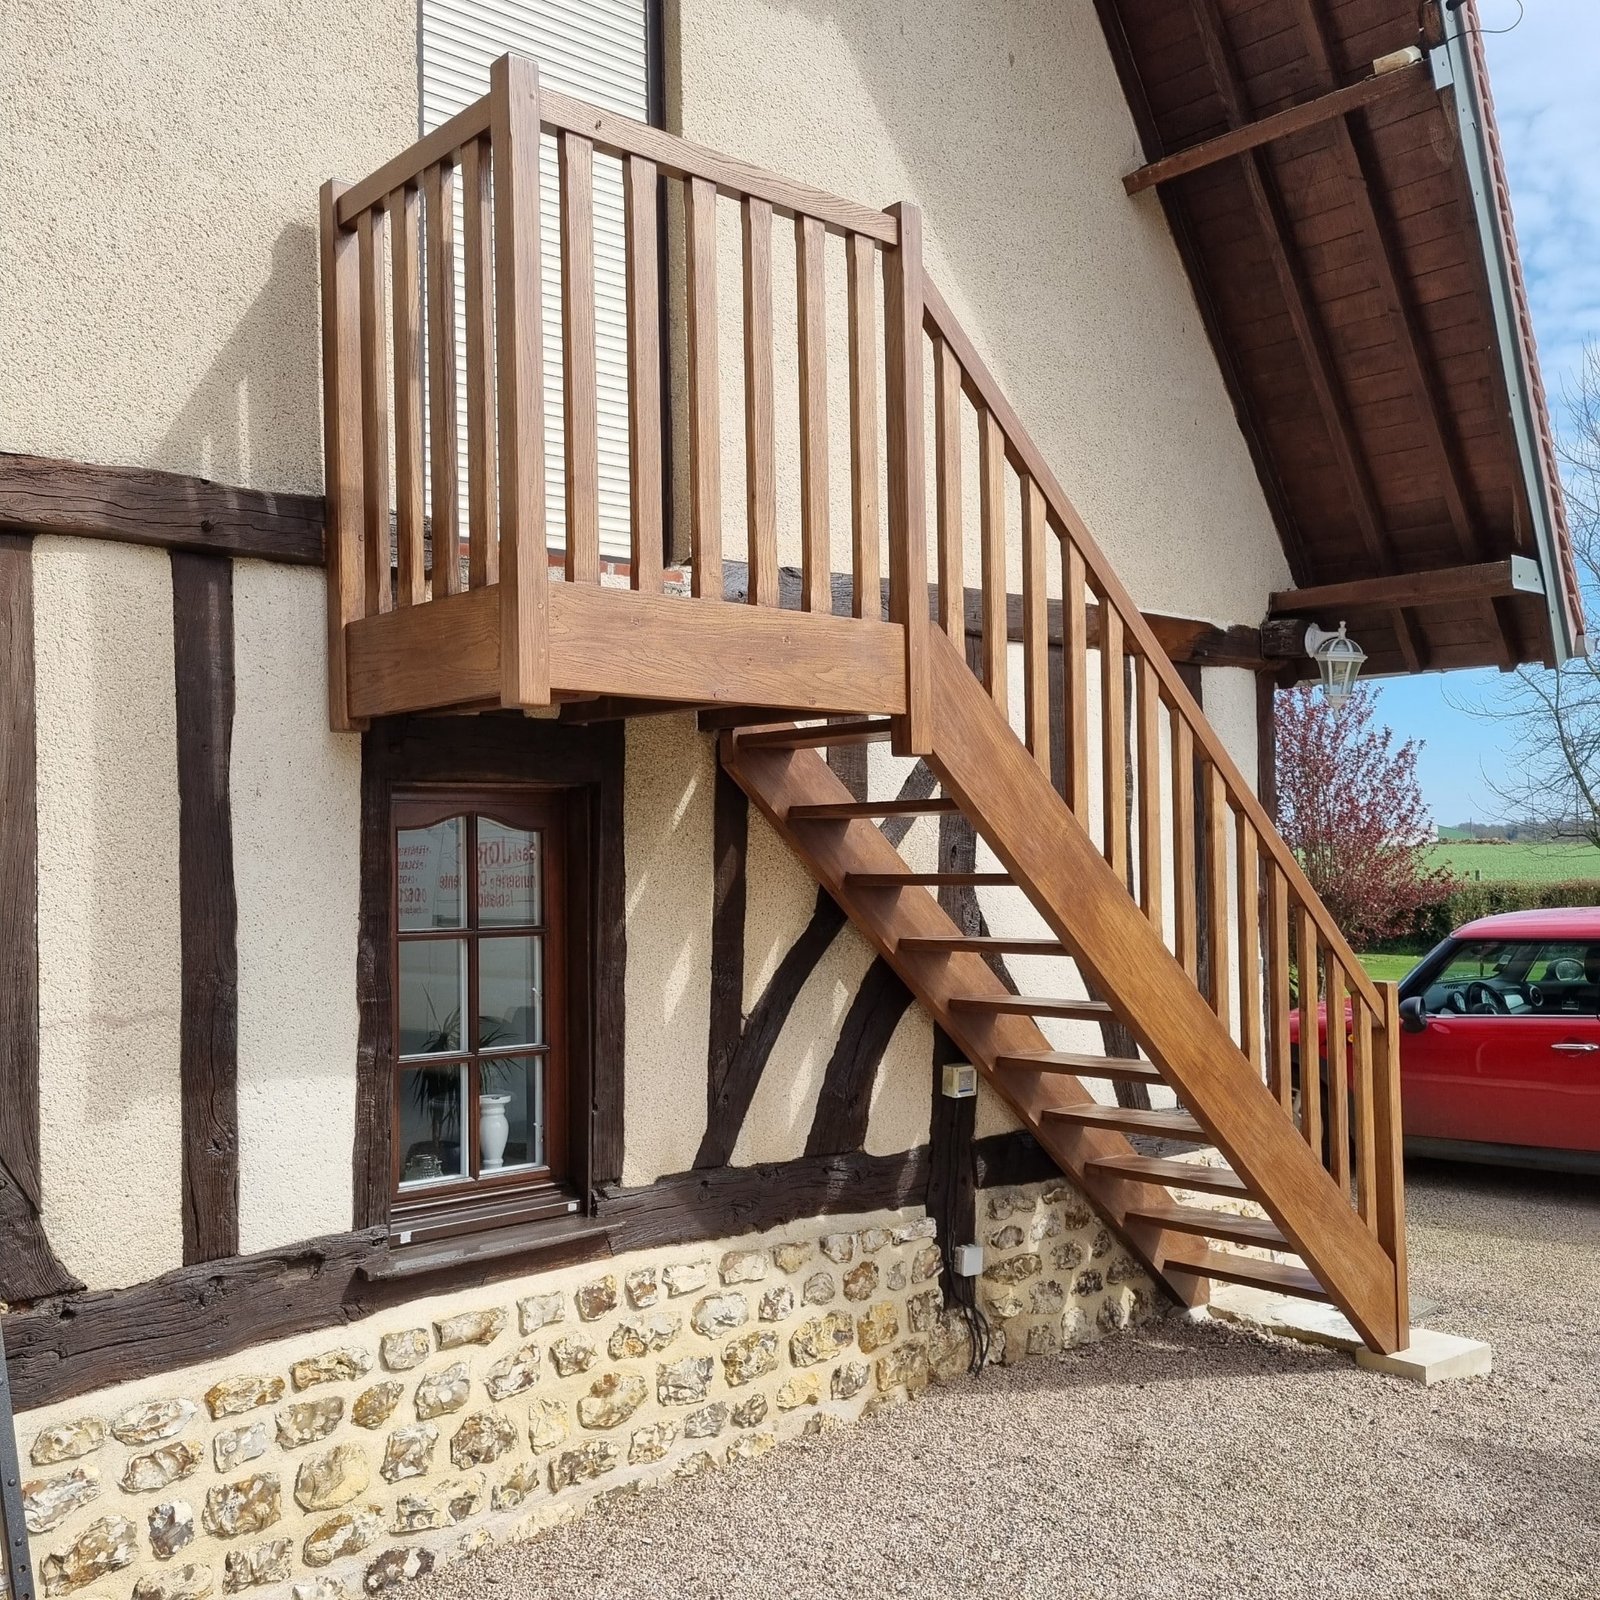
(1413, 1014)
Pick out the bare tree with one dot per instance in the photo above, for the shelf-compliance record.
(1553, 776)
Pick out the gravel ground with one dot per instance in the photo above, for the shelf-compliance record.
(1183, 1459)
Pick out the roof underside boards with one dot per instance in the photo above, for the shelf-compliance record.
(1343, 279)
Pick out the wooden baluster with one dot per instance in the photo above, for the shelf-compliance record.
(375, 408)
(948, 505)
(1365, 1135)
(438, 189)
(1075, 679)
(1035, 624)
(342, 440)
(1310, 1044)
(582, 430)
(1113, 741)
(1151, 901)
(1248, 896)
(519, 367)
(1338, 1078)
(1389, 1167)
(992, 525)
(705, 426)
(1219, 818)
(908, 469)
(816, 556)
(761, 481)
(405, 207)
(1279, 1004)
(866, 570)
(645, 490)
(483, 541)
(1186, 933)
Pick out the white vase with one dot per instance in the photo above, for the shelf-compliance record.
(493, 1130)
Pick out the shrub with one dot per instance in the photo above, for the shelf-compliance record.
(1467, 901)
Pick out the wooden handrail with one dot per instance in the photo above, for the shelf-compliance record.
(1025, 456)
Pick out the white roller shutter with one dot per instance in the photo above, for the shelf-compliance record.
(594, 50)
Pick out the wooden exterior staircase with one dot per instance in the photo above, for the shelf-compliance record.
(1127, 832)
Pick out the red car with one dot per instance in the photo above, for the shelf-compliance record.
(1500, 1058)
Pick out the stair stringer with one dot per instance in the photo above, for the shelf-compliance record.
(1014, 806)
(777, 779)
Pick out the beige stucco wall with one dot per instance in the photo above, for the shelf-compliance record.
(296, 792)
(159, 167)
(109, 965)
(1004, 121)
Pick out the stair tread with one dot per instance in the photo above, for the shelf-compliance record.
(1126, 1119)
(1211, 1224)
(1033, 1005)
(864, 731)
(1122, 1068)
(843, 810)
(1256, 1274)
(994, 944)
(929, 880)
(1177, 1174)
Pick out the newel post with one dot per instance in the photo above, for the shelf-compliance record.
(1391, 1196)
(908, 527)
(524, 565)
(341, 442)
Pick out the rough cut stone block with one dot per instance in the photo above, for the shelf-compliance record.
(683, 1383)
(408, 1452)
(749, 1412)
(251, 1505)
(686, 1277)
(630, 1340)
(922, 1228)
(548, 1427)
(167, 1463)
(906, 1366)
(1068, 1257)
(343, 1534)
(343, 1365)
(792, 1254)
(1014, 1269)
(484, 1436)
(332, 1479)
(400, 1352)
(1007, 1238)
(861, 1282)
(804, 1389)
(572, 1354)
(751, 1357)
(776, 1304)
(693, 1466)
(880, 1326)
(171, 1528)
(588, 1461)
(250, 1569)
(922, 1310)
(719, 1313)
(597, 1299)
(651, 1443)
(397, 1567)
(373, 1407)
(747, 1446)
(442, 1505)
(742, 1266)
(235, 1395)
(67, 1441)
(48, 1502)
(898, 1276)
(539, 1311)
(307, 1421)
(1090, 1281)
(839, 1247)
(707, 1422)
(612, 1399)
(925, 1264)
(470, 1327)
(950, 1348)
(872, 1240)
(849, 1379)
(642, 1287)
(821, 1339)
(321, 1588)
(153, 1421)
(232, 1448)
(442, 1392)
(521, 1481)
(512, 1374)
(819, 1289)
(193, 1582)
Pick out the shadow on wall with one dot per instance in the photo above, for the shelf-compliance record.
(255, 416)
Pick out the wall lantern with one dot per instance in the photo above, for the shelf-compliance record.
(1338, 660)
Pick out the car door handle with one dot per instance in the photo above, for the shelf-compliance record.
(1584, 1048)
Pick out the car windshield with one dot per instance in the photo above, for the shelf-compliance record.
(1509, 977)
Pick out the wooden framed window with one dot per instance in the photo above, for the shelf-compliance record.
(483, 922)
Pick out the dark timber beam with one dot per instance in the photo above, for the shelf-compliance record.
(1486, 580)
(1273, 220)
(168, 509)
(1335, 103)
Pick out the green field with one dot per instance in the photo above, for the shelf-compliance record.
(1534, 863)
(1388, 968)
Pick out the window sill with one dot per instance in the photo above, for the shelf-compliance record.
(542, 1244)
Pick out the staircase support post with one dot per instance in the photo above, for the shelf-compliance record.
(1391, 1187)
(908, 526)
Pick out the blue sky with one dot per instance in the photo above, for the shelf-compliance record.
(1545, 76)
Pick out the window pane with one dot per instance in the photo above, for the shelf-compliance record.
(430, 875)
(432, 986)
(510, 867)
(513, 1090)
(510, 1002)
(430, 1123)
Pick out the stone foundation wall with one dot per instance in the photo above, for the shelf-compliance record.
(329, 1466)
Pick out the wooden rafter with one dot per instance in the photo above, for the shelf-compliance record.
(1355, 170)
(1267, 203)
(1487, 580)
(1308, 114)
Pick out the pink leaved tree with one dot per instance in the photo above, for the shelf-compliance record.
(1351, 809)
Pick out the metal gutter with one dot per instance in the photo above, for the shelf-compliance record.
(1454, 68)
